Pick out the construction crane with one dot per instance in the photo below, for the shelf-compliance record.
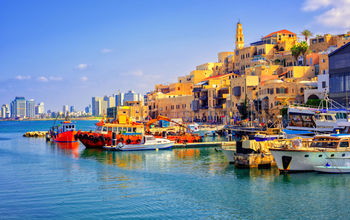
(159, 117)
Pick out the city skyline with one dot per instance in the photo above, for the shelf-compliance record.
(65, 53)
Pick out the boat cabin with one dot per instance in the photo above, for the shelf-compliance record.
(330, 142)
(120, 129)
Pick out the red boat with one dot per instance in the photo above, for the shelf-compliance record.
(64, 132)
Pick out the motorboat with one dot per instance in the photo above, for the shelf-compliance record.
(270, 134)
(335, 165)
(148, 142)
(305, 154)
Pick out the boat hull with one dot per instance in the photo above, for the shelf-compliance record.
(139, 147)
(297, 161)
(332, 169)
(65, 137)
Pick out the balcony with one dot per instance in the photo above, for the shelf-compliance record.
(203, 98)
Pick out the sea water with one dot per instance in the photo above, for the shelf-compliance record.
(57, 181)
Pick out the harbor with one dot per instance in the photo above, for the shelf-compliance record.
(197, 181)
(175, 109)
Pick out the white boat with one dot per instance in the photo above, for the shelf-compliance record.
(317, 120)
(306, 154)
(335, 165)
(148, 142)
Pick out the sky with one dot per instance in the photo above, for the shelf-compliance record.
(63, 52)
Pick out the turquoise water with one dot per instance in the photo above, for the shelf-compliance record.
(49, 181)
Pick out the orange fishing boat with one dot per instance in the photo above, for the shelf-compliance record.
(63, 132)
(127, 132)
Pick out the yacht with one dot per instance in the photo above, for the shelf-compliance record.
(148, 142)
(305, 154)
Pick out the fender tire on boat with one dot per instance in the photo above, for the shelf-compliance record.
(138, 141)
(128, 141)
(91, 138)
(101, 138)
(121, 140)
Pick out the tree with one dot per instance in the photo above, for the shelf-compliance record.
(304, 49)
(300, 49)
(306, 33)
(296, 52)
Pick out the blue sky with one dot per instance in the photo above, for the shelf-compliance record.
(65, 52)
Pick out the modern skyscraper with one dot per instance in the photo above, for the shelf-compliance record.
(30, 108)
(119, 99)
(72, 109)
(5, 111)
(18, 107)
(96, 106)
(65, 109)
(40, 109)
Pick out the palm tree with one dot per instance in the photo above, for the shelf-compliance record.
(304, 49)
(296, 52)
(306, 33)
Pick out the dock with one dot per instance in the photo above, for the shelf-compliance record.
(204, 144)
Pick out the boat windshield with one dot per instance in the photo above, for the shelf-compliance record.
(150, 138)
(324, 143)
(99, 128)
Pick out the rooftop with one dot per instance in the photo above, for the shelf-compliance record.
(284, 31)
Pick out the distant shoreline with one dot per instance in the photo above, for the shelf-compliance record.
(52, 119)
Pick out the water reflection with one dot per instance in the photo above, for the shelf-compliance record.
(69, 148)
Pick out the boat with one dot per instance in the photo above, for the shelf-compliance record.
(127, 132)
(327, 118)
(148, 142)
(335, 165)
(185, 135)
(63, 132)
(270, 134)
(295, 155)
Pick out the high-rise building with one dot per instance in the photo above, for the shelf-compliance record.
(30, 108)
(40, 109)
(88, 109)
(132, 96)
(119, 99)
(65, 109)
(239, 36)
(72, 109)
(110, 101)
(96, 106)
(5, 111)
(18, 107)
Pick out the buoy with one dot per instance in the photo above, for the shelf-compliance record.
(157, 149)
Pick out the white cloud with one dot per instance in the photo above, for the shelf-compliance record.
(336, 14)
(19, 77)
(84, 79)
(42, 79)
(82, 66)
(136, 73)
(106, 50)
(55, 78)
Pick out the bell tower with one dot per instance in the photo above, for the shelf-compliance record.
(239, 36)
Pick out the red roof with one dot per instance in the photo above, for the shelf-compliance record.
(284, 31)
(217, 76)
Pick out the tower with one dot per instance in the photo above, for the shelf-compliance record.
(239, 36)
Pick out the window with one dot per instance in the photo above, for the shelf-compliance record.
(344, 144)
(323, 84)
(104, 129)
